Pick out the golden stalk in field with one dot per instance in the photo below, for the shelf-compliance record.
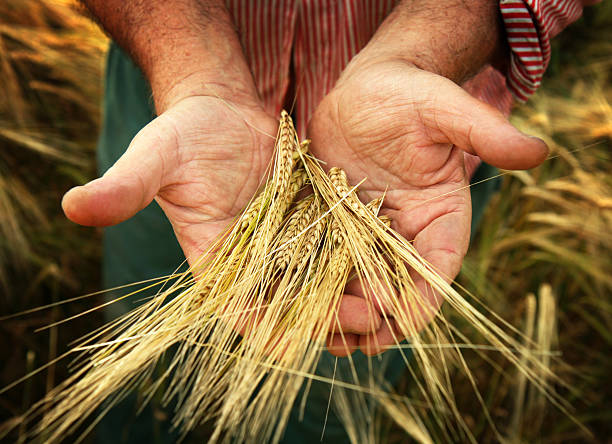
(250, 328)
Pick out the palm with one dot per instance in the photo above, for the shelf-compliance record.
(380, 133)
(405, 130)
(202, 160)
(220, 161)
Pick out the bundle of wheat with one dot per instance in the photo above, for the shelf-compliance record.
(249, 322)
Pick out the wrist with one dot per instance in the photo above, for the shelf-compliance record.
(177, 77)
(199, 61)
(182, 46)
(445, 37)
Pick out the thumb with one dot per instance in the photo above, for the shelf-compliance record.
(480, 129)
(127, 187)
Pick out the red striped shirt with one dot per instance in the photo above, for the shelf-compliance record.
(312, 41)
(530, 24)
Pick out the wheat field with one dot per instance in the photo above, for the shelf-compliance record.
(542, 258)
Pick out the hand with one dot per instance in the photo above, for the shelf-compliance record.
(405, 130)
(202, 160)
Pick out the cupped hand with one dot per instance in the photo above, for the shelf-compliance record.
(406, 131)
(202, 160)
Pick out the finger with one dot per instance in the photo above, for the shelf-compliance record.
(128, 186)
(480, 129)
(355, 288)
(443, 244)
(342, 345)
(376, 343)
(378, 299)
(445, 240)
(356, 315)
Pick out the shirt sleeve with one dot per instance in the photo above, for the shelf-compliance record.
(530, 24)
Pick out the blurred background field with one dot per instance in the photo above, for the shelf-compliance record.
(542, 259)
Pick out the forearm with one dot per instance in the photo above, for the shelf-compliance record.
(453, 38)
(184, 47)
